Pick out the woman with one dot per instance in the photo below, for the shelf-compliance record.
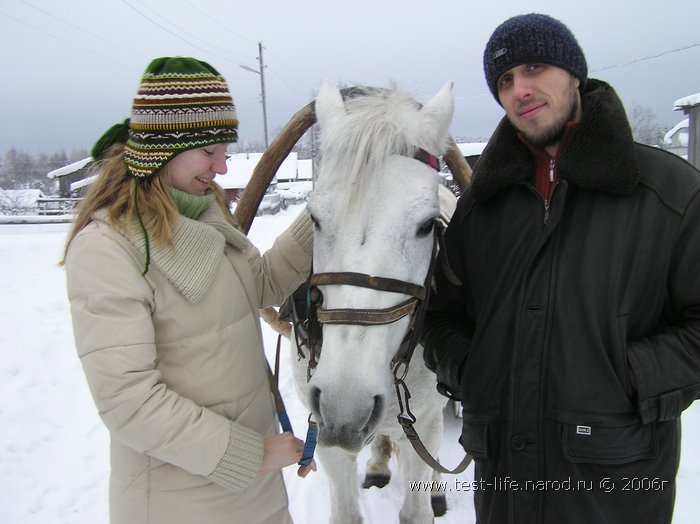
(164, 294)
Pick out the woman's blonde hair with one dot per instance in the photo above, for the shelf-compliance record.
(130, 201)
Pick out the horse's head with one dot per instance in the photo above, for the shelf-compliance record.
(374, 209)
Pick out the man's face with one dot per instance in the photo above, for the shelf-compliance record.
(539, 100)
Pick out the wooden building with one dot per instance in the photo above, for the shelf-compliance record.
(690, 105)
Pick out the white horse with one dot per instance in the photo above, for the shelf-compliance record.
(374, 207)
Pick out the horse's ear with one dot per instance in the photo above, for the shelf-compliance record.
(329, 104)
(437, 114)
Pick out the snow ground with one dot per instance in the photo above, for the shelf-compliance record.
(54, 450)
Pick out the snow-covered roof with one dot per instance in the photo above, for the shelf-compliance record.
(82, 183)
(471, 148)
(683, 124)
(20, 197)
(241, 165)
(70, 168)
(687, 102)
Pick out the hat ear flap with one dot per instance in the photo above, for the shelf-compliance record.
(117, 134)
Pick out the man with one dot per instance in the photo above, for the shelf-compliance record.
(571, 332)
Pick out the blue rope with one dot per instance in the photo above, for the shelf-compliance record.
(285, 423)
(310, 444)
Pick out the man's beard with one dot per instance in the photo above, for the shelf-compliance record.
(553, 134)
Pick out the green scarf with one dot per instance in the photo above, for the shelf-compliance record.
(189, 205)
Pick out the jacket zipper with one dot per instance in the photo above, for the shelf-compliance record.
(547, 200)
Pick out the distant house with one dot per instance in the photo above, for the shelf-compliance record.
(20, 201)
(471, 151)
(240, 169)
(73, 177)
(690, 105)
(676, 139)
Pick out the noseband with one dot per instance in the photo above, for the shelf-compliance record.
(368, 317)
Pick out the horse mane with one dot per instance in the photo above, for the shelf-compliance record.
(354, 153)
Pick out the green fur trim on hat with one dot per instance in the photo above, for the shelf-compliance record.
(182, 103)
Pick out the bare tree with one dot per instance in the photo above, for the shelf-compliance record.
(645, 127)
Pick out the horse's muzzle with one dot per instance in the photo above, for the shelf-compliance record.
(354, 430)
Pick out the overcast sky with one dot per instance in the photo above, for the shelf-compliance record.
(71, 67)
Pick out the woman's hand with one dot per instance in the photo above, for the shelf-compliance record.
(304, 470)
(281, 451)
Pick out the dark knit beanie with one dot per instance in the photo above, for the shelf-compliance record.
(532, 39)
(182, 103)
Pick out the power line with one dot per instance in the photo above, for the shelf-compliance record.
(609, 67)
(46, 33)
(643, 59)
(214, 20)
(98, 37)
(288, 85)
(176, 35)
(197, 37)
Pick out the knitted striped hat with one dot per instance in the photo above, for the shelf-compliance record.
(182, 103)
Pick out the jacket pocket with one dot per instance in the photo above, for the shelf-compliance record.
(475, 440)
(609, 445)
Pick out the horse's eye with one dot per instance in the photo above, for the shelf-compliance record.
(426, 228)
(317, 224)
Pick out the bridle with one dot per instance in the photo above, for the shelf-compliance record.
(415, 305)
(308, 328)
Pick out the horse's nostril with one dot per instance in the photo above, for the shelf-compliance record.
(377, 411)
(315, 398)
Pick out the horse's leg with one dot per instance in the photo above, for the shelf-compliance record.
(341, 470)
(378, 473)
(417, 507)
(438, 499)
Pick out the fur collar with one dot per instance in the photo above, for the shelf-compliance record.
(198, 247)
(599, 155)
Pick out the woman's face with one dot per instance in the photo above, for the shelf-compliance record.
(193, 171)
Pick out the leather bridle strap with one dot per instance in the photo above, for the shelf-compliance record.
(362, 280)
(368, 317)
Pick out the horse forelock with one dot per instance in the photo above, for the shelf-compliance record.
(354, 153)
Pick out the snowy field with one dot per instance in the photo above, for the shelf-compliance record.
(54, 449)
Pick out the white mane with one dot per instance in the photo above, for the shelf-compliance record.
(377, 123)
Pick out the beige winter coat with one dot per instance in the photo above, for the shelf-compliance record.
(175, 364)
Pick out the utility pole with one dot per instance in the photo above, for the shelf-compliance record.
(262, 89)
(261, 72)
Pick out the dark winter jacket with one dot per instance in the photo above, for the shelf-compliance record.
(573, 342)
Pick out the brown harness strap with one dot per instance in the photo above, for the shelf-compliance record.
(366, 317)
(419, 447)
(362, 280)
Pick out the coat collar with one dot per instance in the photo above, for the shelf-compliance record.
(599, 155)
(198, 246)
